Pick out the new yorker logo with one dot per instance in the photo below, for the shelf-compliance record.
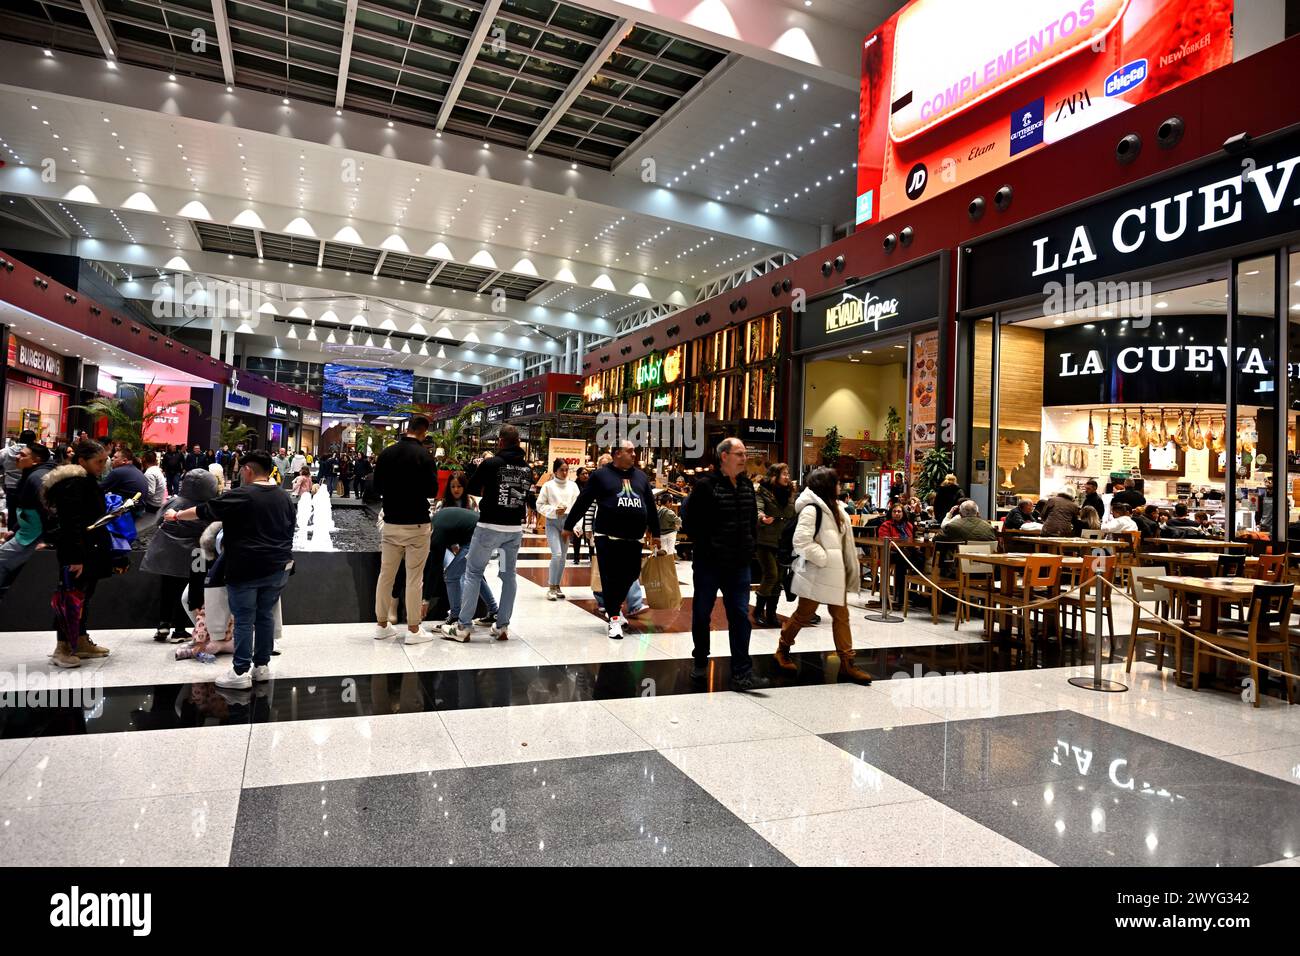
(852, 311)
(96, 910)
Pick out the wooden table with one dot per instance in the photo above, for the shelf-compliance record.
(1078, 545)
(1212, 591)
(1203, 544)
(1187, 559)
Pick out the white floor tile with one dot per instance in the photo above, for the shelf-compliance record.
(314, 750)
(1283, 763)
(538, 732)
(834, 708)
(689, 720)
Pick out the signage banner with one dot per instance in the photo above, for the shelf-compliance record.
(954, 89)
(497, 413)
(281, 410)
(891, 302)
(1238, 199)
(568, 403)
(171, 426)
(524, 407)
(764, 430)
(1177, 360)
(311, 418)
(248, 404)
(31, 357)
(572, 450)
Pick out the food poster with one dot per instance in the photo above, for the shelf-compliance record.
(923, 400)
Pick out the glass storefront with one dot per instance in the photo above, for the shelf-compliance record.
(43, 410)
(1128, 364)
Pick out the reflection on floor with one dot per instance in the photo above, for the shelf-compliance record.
(561, 746)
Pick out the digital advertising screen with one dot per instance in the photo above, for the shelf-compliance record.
(171, 422)
(953, 89)
(354, 390)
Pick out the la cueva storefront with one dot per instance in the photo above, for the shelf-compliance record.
(1138, 335)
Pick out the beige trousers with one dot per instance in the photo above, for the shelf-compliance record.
(409, 542)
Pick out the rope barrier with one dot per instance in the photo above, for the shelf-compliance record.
(1219, 649)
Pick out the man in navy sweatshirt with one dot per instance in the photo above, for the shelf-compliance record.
(625, 513)
(503, 482)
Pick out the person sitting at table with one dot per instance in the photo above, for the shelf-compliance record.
(965, 524)
(1119, 520)
(1089, 519)
(1022, 514)
(1059, 515)
(1040, 510)
(1181, 519)
(1144, 518)
(1208, 530)
(899, 527)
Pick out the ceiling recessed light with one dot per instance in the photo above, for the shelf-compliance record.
(285, 101)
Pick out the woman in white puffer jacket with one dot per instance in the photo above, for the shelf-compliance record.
(825, 569)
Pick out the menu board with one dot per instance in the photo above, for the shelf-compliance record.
(923, 399)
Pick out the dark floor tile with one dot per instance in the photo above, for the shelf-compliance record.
(553, 812)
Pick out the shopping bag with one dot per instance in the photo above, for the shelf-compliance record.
(595, 574)
(659, 578)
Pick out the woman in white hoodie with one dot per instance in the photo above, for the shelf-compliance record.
(825, 569)
(554, 499)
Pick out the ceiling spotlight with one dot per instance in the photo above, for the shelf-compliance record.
(112, 65)
(230, 89)
(338, 112)
(285, 101)
(49, 52)
(172, 77)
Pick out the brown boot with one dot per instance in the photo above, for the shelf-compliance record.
(782, 656)
(852, 671)
(63, 656)
(89, 650)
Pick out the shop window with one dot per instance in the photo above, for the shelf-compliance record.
(1255, 424)
(1289, 494)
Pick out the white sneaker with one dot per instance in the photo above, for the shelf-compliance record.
(261, 672)
(616, 628)
(237, 681)
(501, 633)
(552, 594)
(417, 637)
(384, 631)
(454, 632)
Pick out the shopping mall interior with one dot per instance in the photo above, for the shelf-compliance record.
(873, 425)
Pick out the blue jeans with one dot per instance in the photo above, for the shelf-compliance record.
(12, 558)
(635, 598)
(454, 575)
(734, 585)
(253, 605)
(555, 538)
(481, 546)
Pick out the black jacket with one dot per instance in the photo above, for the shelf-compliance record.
(74, 501)
(406, 478)
(722, 521)
(944, 498)
(1015, 519)
(1094, 500)
(625, 506)
(502, 481)
(1131, 497)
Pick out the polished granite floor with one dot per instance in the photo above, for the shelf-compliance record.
(562, 747)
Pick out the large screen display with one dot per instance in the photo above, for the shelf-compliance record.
(353, 390)
(953, 89)
(170, 422)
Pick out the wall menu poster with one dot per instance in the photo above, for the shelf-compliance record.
(953, 89)
(923, 404)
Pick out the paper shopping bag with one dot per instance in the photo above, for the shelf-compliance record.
(659, 578)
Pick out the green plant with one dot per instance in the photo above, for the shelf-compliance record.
(453, 441)
(831, 447)
(128, 421)
(935, 466)
(372, 439)
(234, 433)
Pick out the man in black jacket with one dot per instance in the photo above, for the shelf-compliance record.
(1093, 500)
(1129, 496)
(625, 514)
(406, 478)
(722, 519)
(502, 481)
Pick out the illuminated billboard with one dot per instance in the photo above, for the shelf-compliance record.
(953, 89)
(171, 409)
(352, 390)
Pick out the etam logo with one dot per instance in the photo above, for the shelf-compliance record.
(1126, 77)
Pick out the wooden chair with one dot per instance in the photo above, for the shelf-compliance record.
(1077, 605)
(1040, 580)
(1155, 600)
(1271, 569)
(917, 584)
(1092, 535)
(1128, 557)
(1230, 566)
(974, 580)
(1267, 632)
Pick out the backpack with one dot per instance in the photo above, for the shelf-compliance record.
(785, 550)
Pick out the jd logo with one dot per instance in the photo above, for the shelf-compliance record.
(917, 180)
(1075, 103)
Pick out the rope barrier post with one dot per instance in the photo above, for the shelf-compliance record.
(885, 617)
(1096, 681)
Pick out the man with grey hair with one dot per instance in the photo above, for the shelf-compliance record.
(965, 524)
(722, 521)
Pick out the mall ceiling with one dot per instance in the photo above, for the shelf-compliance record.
(483, 178)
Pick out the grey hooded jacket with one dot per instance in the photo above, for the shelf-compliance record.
(172, 548)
